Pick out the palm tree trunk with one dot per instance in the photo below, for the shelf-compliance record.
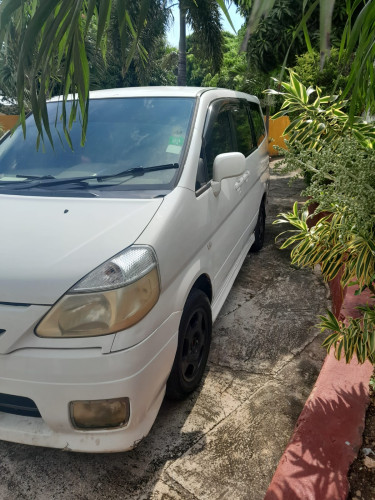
(181, 77)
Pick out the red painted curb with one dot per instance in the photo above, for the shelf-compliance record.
(328, 433)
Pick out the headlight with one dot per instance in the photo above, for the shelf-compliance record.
(114, 296)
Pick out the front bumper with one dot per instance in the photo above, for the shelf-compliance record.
(53, 378)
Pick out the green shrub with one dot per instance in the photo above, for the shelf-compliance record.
(331, 79)
(317, 120)
(338, 158)
(337, 245)
(341, 174)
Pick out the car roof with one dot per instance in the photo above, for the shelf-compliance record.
(165, 91)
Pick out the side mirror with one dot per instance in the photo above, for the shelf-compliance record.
(226, 165)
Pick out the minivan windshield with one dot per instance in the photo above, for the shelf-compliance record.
(132, 144)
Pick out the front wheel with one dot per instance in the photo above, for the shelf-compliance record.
(194, 339)
(260, 229)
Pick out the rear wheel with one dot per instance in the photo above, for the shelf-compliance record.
(194, 341)
(260, 229)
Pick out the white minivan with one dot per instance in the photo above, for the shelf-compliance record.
(116, 257)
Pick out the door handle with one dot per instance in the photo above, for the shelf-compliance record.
(241, 180)
(238, 185)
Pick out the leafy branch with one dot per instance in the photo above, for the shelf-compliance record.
(357, 337)
(318, 120)
(330, 244)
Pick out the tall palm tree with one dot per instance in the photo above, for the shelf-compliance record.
(204, 18)
(108, 70)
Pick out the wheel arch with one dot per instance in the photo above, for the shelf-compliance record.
(204, 284)
(264, 198)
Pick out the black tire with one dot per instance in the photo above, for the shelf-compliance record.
(260, 229)
(194, 339)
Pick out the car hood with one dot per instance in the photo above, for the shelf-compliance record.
(48, 244)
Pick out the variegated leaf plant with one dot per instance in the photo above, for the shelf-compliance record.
(317, 119)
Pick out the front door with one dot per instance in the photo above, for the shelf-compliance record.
(225, 213)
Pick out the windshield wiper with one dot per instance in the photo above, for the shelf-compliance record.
(100, 178)
(35, 177)
(137, 171)
(28, 178)
(49, 180)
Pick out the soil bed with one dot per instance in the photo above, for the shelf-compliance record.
(362, 472)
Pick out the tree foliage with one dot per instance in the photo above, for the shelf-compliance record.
(332, 79)
(336, 246)
(8, 65)
(356, 41)
(52, 41)
(53, 35)
(332, 245)
(270, 42)
(204, 18)
(276, 37)
(106, 66)
(107, 69)
(337, 156)
(318, 120)
(235, 72)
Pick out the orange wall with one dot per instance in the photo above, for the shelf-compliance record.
(276, 129)
(8, 121)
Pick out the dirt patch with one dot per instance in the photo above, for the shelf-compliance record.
(362, 472)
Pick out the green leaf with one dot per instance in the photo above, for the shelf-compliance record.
(305, 18)
(7, 9)
(260, 8)
(91, 8)
(103, 18)
(371, 341)
(326, 9)
(226, 13)
(296, 86)
(307, 38)
(279, 113)
(339, 350)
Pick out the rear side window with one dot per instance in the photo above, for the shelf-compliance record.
(242, 128)
(258, 122)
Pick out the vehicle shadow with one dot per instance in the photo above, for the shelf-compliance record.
(49, 473)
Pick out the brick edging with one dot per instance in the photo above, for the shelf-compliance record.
(328, 433)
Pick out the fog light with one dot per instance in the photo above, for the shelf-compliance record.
(100, 414)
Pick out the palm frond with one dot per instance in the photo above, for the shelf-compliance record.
(204, 17)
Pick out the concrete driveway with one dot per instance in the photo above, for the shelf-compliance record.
(226, 440)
